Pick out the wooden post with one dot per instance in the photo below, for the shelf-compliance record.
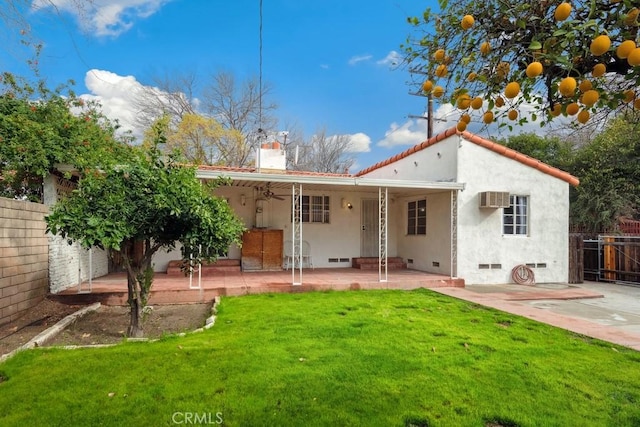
(609, 259)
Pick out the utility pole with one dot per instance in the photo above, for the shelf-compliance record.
(429, 116)
(429, 97)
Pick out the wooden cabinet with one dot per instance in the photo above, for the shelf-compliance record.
(262, 249)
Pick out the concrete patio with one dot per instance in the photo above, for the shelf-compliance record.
(171, 289)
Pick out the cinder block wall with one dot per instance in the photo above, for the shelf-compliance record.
(24, 261)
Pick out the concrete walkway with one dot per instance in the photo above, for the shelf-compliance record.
(605, 311)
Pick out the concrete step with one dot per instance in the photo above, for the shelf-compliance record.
(221, 265)
(371, 263)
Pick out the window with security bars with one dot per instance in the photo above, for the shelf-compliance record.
(315, 209)
(417, 217)
(515, 218)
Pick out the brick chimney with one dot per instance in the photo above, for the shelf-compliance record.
(271, 157)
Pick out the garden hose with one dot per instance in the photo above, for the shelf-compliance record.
(523, 275)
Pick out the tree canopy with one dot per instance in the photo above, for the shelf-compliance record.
(224, 116)
(151, 202)
(609, 172)
(505, 58)
(551, 150)
(40, 128)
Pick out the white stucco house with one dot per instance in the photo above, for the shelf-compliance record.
(457, 205)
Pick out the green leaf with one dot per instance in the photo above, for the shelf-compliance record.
(535, 45)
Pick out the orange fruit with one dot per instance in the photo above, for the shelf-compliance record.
(599, 70)
(562, 12)
(439, 55)
(512, 90)
(427, 86)
(624, 49)
(465, 118)
(467, 22)
(441, 70)
(472, 76)
(476, 103)
(461, 126)
(485, 48)
(636, 104)
(600, 45)
(487, 117)
(499, 102)
(629, 95)
(438, 91)
(464, 101)
(631, 17)
(513, 114)
(567, 86)
(556, 110)
(572, 109)
(585, 85)
(634, 57)
(583, 116)
(534, 69)
(590, 97)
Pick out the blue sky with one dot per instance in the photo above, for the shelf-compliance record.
(331, 62)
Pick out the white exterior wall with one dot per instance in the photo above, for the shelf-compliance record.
(434, 163)
(431, 252)
(480, 238)
(338, 239)
(70, 264)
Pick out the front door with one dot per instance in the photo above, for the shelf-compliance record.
(369, 228)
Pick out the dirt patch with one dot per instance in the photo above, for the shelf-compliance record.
(44, 315)
(107, 325)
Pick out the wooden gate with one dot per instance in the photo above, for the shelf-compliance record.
(612, 259)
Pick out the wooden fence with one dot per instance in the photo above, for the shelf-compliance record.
(576, 258)
(605, 258)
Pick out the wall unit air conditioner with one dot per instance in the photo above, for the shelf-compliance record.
(494, 199)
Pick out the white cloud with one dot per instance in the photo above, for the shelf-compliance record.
(392, 59)
(414, 131)
(104, 17)
(324, 66)
(410, 132)
(359, 143)
(116, 94)
(359, 58)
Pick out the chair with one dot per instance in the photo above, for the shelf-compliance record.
(287, 258)
(306, 254)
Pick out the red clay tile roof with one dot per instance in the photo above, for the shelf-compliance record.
(493, 146)
(225, 168)
(287, 172)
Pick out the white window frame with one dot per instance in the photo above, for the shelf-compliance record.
(414, 226)
(515, 218)
(316, 209)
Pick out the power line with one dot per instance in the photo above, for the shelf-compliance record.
(260, 75)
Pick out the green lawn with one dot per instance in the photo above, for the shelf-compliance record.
(370, 358)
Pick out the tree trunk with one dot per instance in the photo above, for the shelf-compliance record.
(137, 260)
(135, 326)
